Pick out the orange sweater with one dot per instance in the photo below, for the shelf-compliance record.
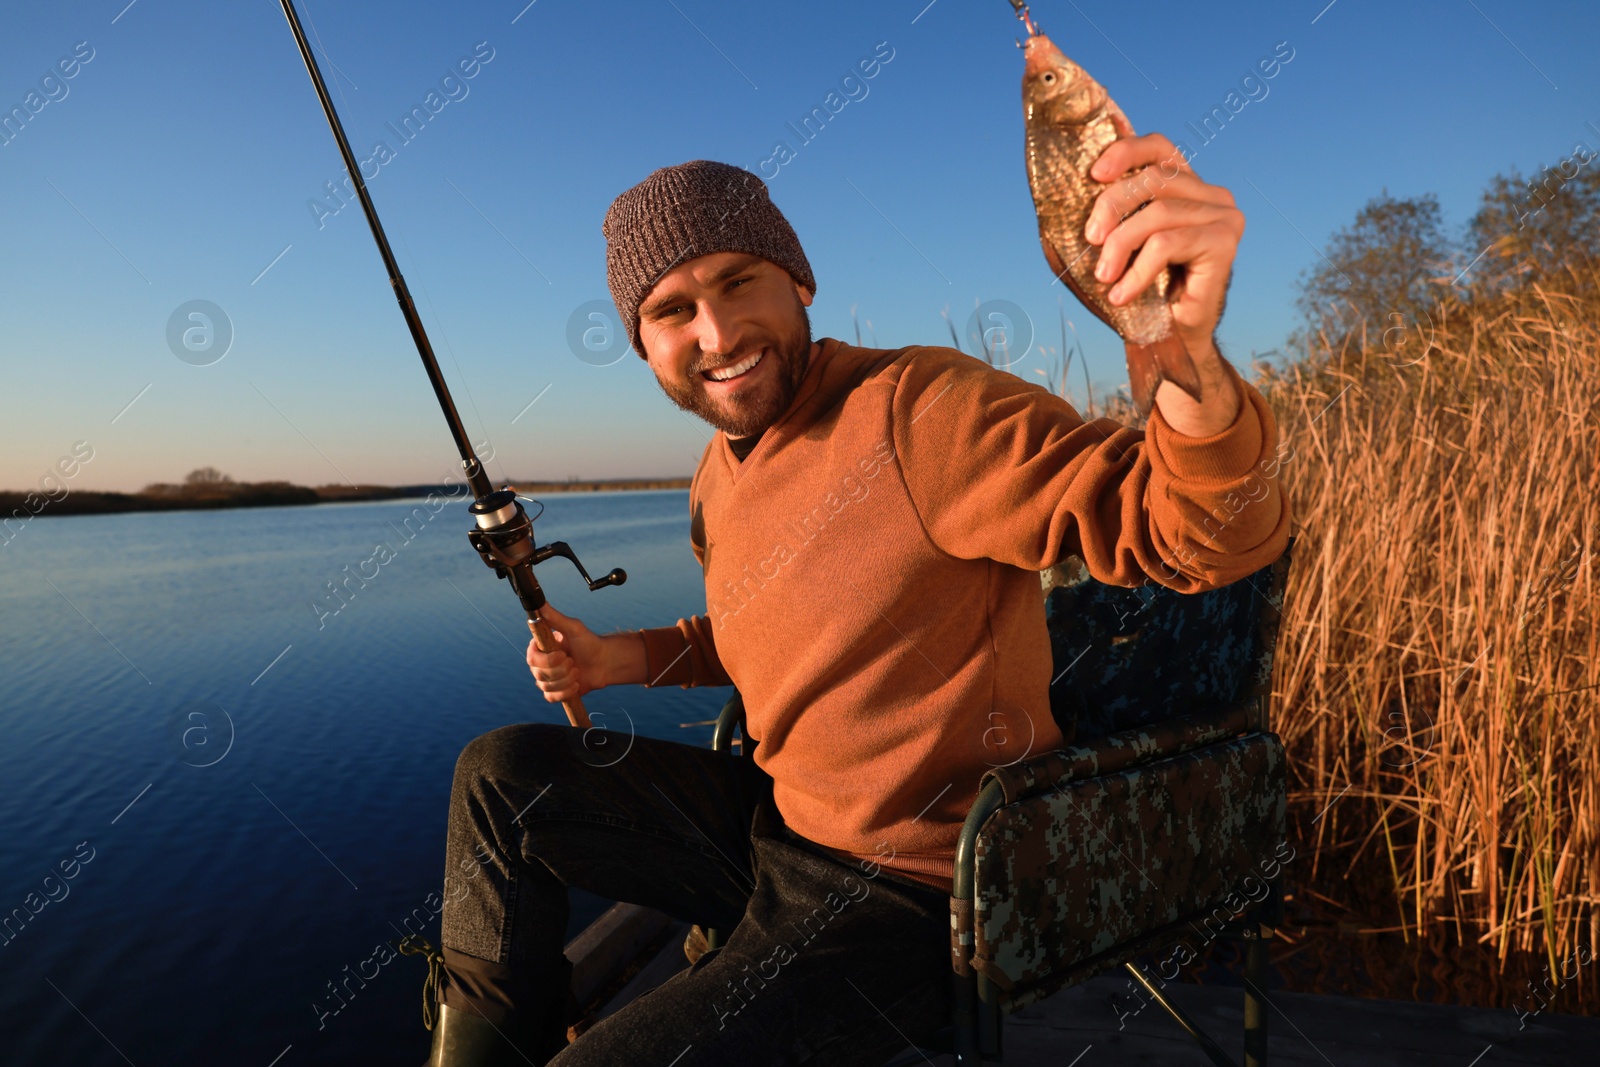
(872, 580)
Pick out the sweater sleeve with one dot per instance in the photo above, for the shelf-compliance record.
(1003, 469)
(685, 654)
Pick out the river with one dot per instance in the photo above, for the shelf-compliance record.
(220, 786)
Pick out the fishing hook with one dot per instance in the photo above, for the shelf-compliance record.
(1021, 8)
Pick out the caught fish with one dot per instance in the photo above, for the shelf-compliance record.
(1070, 121)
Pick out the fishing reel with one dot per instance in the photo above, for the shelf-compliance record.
(503, 537)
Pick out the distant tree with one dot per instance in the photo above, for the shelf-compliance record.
(206, 478)
(1381, 266)
(1527, 228)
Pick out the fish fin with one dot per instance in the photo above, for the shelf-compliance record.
(1051, 257)
(1163, 360)
(1119, 121)
(1177, 366)
(1143, 375)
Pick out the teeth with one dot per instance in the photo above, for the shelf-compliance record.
(734, 371)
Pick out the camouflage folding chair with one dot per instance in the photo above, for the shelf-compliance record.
(1147, 831)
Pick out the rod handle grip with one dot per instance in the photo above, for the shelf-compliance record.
(545, 641)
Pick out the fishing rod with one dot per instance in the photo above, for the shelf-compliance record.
(502, 532)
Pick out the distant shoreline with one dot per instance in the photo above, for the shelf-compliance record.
(20, 504)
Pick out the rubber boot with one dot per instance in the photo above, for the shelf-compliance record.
(462, 1039)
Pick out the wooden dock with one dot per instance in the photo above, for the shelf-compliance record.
(1305, 1030)
(630, 950)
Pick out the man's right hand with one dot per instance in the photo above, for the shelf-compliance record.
(582, 660)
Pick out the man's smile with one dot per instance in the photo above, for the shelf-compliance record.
(737, 370)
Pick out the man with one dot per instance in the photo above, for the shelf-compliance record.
(871, 525)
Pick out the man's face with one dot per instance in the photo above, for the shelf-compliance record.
(723, 312)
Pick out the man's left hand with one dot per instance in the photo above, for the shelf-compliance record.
(1184, 223)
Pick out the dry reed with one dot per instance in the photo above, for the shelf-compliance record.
(1438, 674)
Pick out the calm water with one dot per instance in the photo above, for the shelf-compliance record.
(218, 901)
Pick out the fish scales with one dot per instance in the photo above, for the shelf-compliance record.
(1070, 119)
(1059, 158)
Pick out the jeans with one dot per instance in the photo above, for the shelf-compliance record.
(827, 962)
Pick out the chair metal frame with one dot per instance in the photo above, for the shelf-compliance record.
(974, 1034)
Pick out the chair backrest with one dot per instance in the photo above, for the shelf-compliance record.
(1127, 658)
(1082, 876)
(1168, 803)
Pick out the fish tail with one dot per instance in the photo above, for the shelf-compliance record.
(1166, 359)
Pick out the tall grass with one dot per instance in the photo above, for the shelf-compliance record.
(1438, 678)
(1438, 672)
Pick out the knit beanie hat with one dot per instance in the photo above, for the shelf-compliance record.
(683, 212)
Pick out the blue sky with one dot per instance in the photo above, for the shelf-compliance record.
(179, 162)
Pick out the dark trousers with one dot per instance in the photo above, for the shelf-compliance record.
(827, 962)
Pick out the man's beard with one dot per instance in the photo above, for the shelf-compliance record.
(758, 408)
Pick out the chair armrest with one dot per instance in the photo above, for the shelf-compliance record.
(1119, 751)
(731, 718)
